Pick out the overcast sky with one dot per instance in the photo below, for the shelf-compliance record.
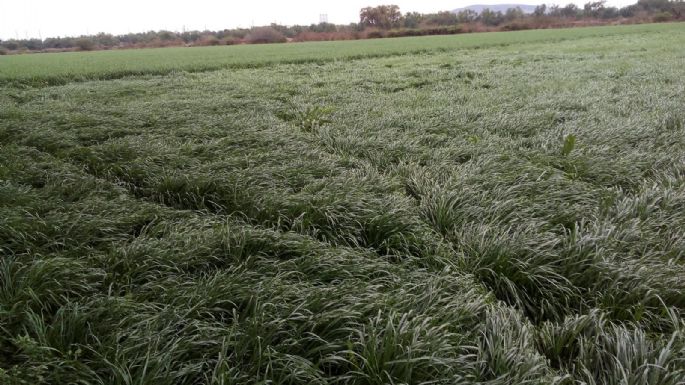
(49, 18)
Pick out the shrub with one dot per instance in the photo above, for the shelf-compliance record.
(229, 41)
(84, 44)
(516, 26)
(11, 45)
(326, 36)
(265, 35)
(662, 17)
(158, 43)
(375, 34)
(3, 51)
(439, 30)
(206, 40)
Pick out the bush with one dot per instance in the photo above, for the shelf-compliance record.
(265, 35)
(206, 40)
(3, 51)
(440, 30)
(326, 36)
(11, 45)
(516, 26)
(229, 41)
(662, 17)
(375, 34)
(84, 44)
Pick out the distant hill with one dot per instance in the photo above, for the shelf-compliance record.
(497, 7)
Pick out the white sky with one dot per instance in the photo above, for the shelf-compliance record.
(50, 18)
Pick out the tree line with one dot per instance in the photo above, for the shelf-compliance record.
(390, 17)
(374, 22)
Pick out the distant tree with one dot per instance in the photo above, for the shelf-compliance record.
(554, 10)
(678, 9)
(105, 40)
(540, 10)
(675, 7)
(441, 18)
(492, 18)
(609, 13)
(653, 6)
(382, 16)
(32, 44)
(467, 16)
(11, 45)
(84, 44)
(284, 30)
(263, 35)
(190, 36)
(594, 8)
(513, 14)
(628, 11)
(412, 20)
(59, 42)
(570, 11)
(323, 27)
(166, 35)
(239, 33)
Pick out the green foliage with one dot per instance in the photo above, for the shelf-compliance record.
(312, 118)
(569, 145)
(309, 119)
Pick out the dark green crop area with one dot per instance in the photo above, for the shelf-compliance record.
(482, 209)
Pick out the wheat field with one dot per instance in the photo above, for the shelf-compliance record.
(504, 208)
